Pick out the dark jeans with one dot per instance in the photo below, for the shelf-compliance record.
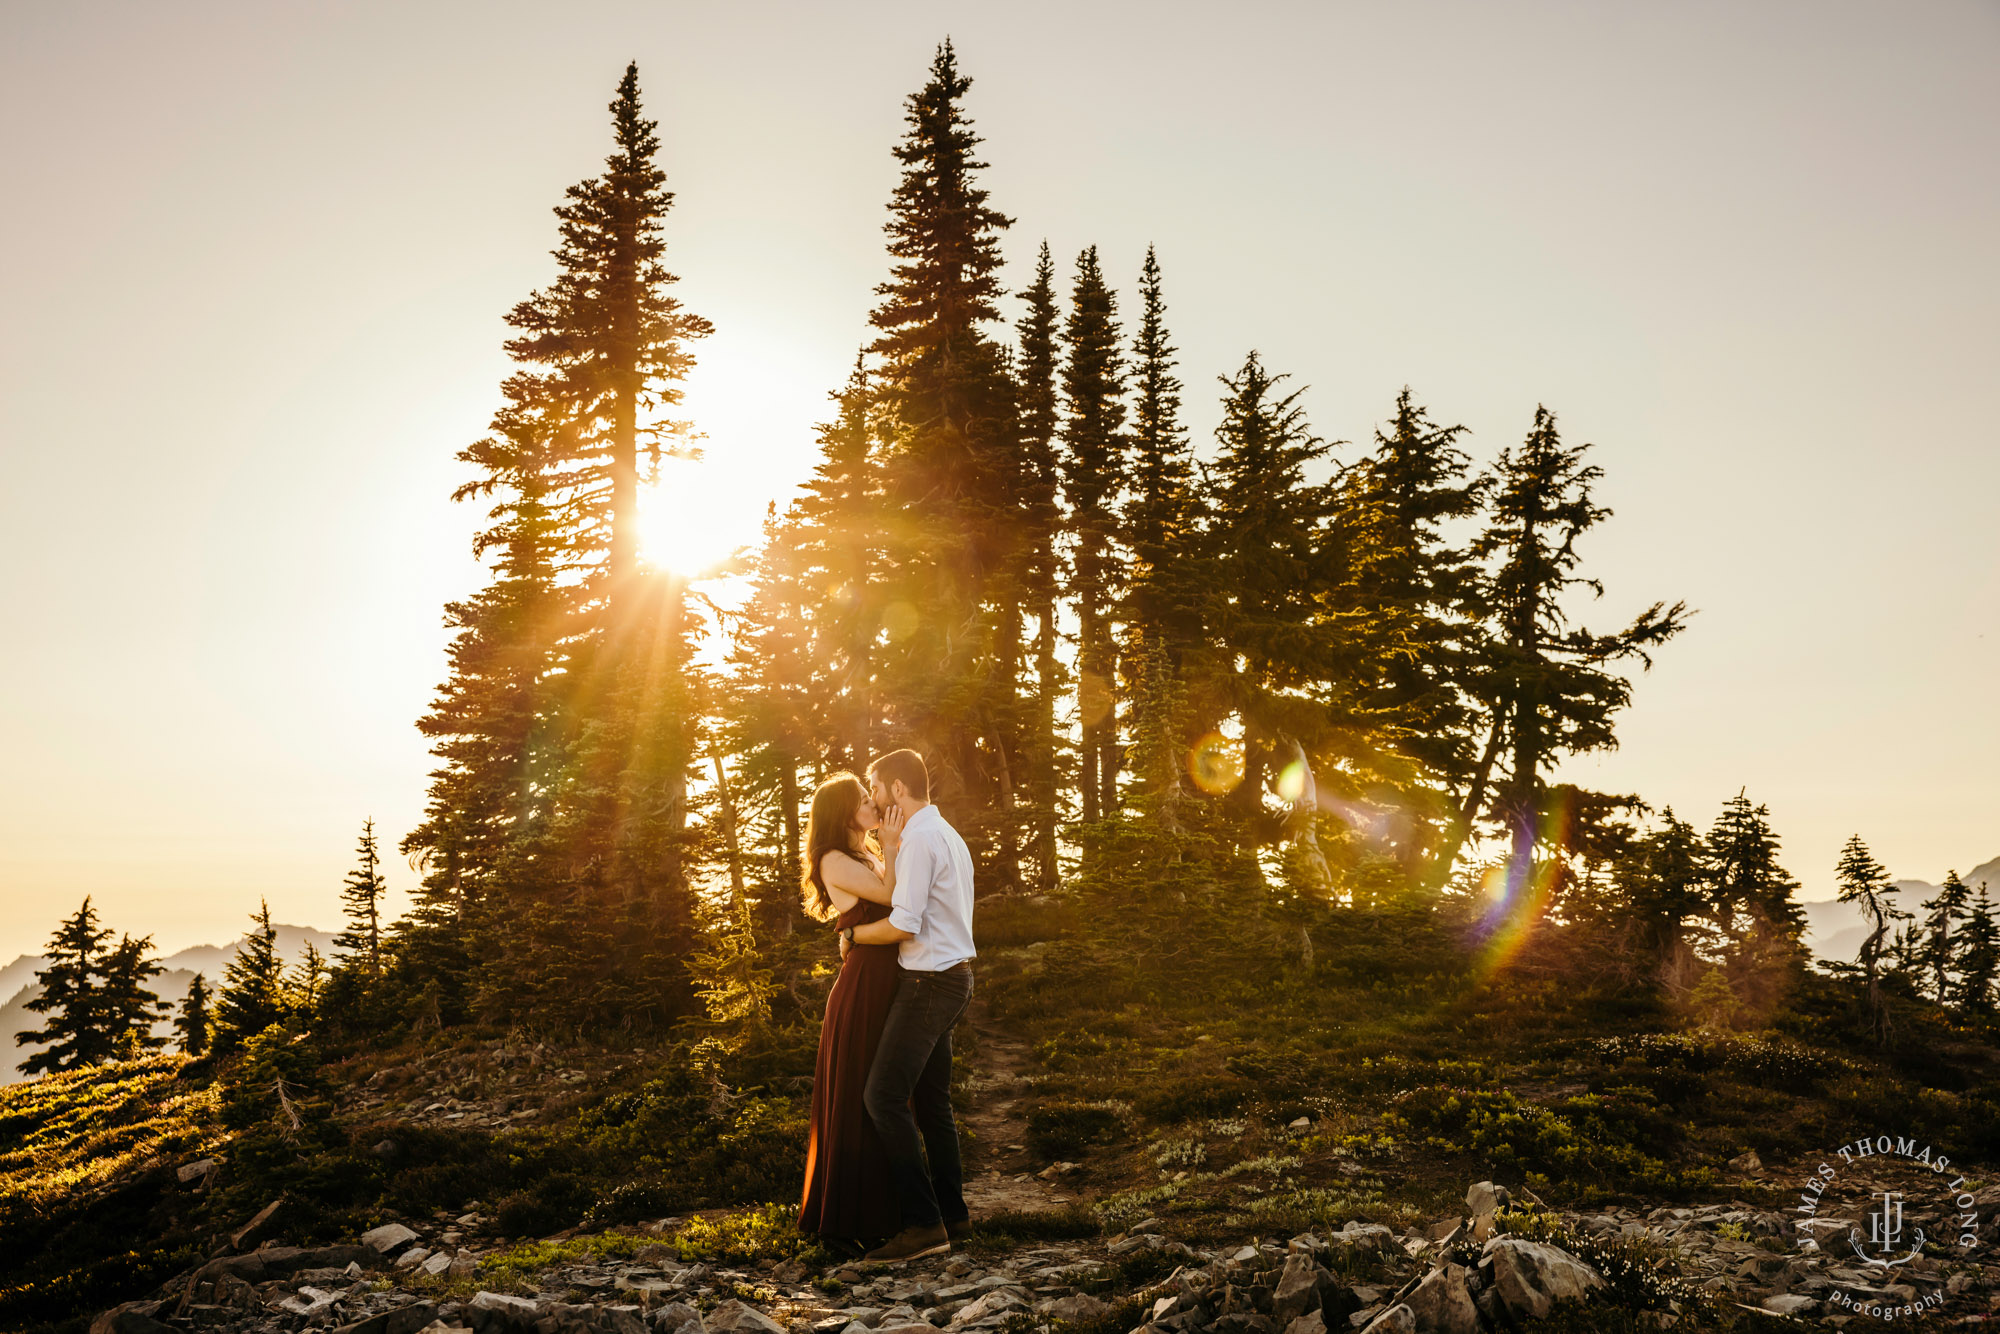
(909, 1095)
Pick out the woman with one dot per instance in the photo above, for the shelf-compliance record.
(850, 1198)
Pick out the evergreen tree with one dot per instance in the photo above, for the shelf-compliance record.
(361, 900)
(1757, 924)
(304, 985)
(610, 344)
(1274, 656)
(79, 1030)
(1865, 881)
(1550, 690)
(767, 709)
(253, 986)
(192, 1022)
(954, 480)
(1944, 915)
(1042, 568)
(1093, 461)
(1979, 957)
(1666, 884)
(1427, 591)
(1162, 509)
(832, 534)
(130, 1007)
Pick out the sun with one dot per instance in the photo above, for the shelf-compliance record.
(687, 524)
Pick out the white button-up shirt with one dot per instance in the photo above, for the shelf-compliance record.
(933, 899)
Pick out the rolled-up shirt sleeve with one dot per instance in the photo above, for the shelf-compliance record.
(915, 868)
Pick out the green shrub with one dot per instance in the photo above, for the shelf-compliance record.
(1185, 1099)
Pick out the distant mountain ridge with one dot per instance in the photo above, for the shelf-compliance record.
(1835, 930)
(17, 983)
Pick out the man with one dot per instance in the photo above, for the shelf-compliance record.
(908, 1094)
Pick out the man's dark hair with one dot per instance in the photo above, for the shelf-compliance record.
(905, 767)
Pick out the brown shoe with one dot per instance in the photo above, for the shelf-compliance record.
(912, 1243)
(958, 1229)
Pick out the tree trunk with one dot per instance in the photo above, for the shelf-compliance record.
(1043, 777)
(727, 803)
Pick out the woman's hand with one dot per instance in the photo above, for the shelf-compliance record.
(893, 820)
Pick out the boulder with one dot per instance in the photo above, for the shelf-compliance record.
(413, 1257)
(735, 1316)
(1746, 1162)
(388, 1239)
(1442, 1303)
(1530, 1277)
(1369, 1237)
(1312, 1322)
(1790, 1303)
(436, 1265)
(195, 1171)
(1397, 1319)
(260, 1225)
(1483, 1197)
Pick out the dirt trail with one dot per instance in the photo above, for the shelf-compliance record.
(999, 1168)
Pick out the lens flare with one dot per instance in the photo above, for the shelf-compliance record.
(1216, 764)
(1291, 783)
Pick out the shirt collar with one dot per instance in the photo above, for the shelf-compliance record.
(927, 813)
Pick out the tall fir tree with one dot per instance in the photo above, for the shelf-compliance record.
(1043, 568)
(1551, 693)
(129, 1005)
(953, 481)
(1757, 925)
(1399, 502)
(78, 1030)
(1274, 657)
(1093, 461)
(1162, 510)
(253, 986)
(1865, 882)
(361, 897)
(1665, 881)
(1945, 915)
(192, 1021)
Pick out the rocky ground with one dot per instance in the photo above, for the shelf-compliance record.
(1464, 1278)
(1499, 1262)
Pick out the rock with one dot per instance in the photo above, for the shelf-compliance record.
(491, 1311)
(402, 1320)
(1442, 1303)
(461, 1266)
(1081, 1306)
(308, 1301)
(1531, 1276)
(1312, 1322)
(437, 1263)
(1298, 1288)
(1302, 1123)
(621, 1319)
(666, 1319)
(440, 1327)
(196, 1170)
(413, 1257)
(388, 1239)
(259, 1226)
(1396, 1320)
(995, 1305)
(1143, 1241)
(734, 1315)
(1789, 1303)
(131, 1318)
(1746, 1162)
(1483, 1197)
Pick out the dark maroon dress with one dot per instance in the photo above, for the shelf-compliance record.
(849, 1192)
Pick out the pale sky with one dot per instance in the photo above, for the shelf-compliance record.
(257, 256)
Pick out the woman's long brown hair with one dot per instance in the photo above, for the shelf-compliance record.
(829, 828)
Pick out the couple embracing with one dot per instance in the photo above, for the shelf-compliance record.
(882, 1165)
